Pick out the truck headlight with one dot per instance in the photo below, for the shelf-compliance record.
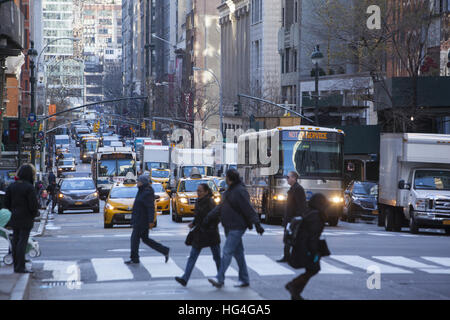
(337, 199)
(421, 204)
(279, 197)
(183, 200)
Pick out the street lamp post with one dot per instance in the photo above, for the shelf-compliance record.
(316, 58)
(32, 53)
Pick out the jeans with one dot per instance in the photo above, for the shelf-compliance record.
(195, 252)
(233, 248)
(142, 233)
(19, 247)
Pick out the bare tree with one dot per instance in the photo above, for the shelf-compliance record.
(401, 42)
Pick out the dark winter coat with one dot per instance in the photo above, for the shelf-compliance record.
(205, 236)
(21, 200)
(235, 210)
(296, 203)
(143, 208)
(305, 252)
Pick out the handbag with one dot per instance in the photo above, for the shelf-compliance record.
(190, 236)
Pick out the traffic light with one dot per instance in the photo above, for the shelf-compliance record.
(143, 125)
(109, 123)
(154, 125)
(237, 110)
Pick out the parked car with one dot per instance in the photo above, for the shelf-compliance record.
(78, 194)
(360, 201)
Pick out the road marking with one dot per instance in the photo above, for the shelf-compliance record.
(122, 250)
(94, 236)
(327, 268)
(111, 269)
(439, 260)
(410, 263)
(122, 235)
(265, 266)
(158, 269)
(58, 268)
(381, 234)
(208, 267)
(363, 263)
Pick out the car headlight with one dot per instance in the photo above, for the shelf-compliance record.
(60, 196)
(280, 197)
(84, 156)
(337, 199)
(92, 195)
(421, 204)
(184, 200)
(217, 200)
(109, 207)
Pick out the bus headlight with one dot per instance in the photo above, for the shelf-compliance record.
(183, 200)
(217, 200)
(337, 199)
(280, 197)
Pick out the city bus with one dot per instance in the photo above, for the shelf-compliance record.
(315, 153)
(111, 165)
(88, 148)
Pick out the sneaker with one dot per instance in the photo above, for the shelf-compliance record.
(241, 285)
(132, 262)
(216, 283)
(181, 281)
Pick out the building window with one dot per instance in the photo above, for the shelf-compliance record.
(282, 17)
(296, 12)
(288, 52)
(256, 11)
(282, 63)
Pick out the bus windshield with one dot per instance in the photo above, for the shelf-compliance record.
(110, 168)
(91, 145)
(61, 141)
(312, 159)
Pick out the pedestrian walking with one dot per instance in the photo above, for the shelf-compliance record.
(52, 190)
(306, 244)
(21, 200)
(141, 219)
(204, 236)
(296, 205)
(236, 215)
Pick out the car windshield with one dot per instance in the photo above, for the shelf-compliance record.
(160, 174)
(61, 141)
(364, 189)
(191, 185)
(157, 187)
(156, 165)
(432, 180)
(312, 158)
(77, 185)
(66, 162)
(123, 192)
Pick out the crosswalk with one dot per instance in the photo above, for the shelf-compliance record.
(153, 267)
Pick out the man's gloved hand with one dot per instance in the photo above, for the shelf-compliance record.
(259, 229)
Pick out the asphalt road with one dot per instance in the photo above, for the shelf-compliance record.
(81, 260)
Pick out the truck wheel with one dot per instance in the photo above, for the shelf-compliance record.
(388, 219)
(333, 222)
(398, 221)
(447, 231)
(412, 225)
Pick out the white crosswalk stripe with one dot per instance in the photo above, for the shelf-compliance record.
(109, 269)
(114, 269)
(158, 269)
(363, 263)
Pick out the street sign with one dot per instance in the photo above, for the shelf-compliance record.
(32, 119)
(40, 135)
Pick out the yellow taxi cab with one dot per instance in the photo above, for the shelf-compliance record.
(119, 204)
(160, 176)
(185, 196)
(163, 203)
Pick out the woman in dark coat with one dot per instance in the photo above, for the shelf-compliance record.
(204, 236)
(21, 200)
(307, 243)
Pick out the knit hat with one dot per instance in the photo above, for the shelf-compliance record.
(143, 179)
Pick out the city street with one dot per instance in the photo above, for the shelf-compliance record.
(75, 244)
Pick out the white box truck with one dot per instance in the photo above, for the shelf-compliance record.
(414, 186)
(154, 157)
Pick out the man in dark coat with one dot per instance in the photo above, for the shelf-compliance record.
(295, 207)
(307, 244)
(21, 200)
(236, 215)
(141, 219)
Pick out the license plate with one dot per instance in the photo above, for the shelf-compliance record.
(78, 203)
(128, 216)
(375, 212)
(446, 222)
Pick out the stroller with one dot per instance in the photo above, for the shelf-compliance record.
(32, 246)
